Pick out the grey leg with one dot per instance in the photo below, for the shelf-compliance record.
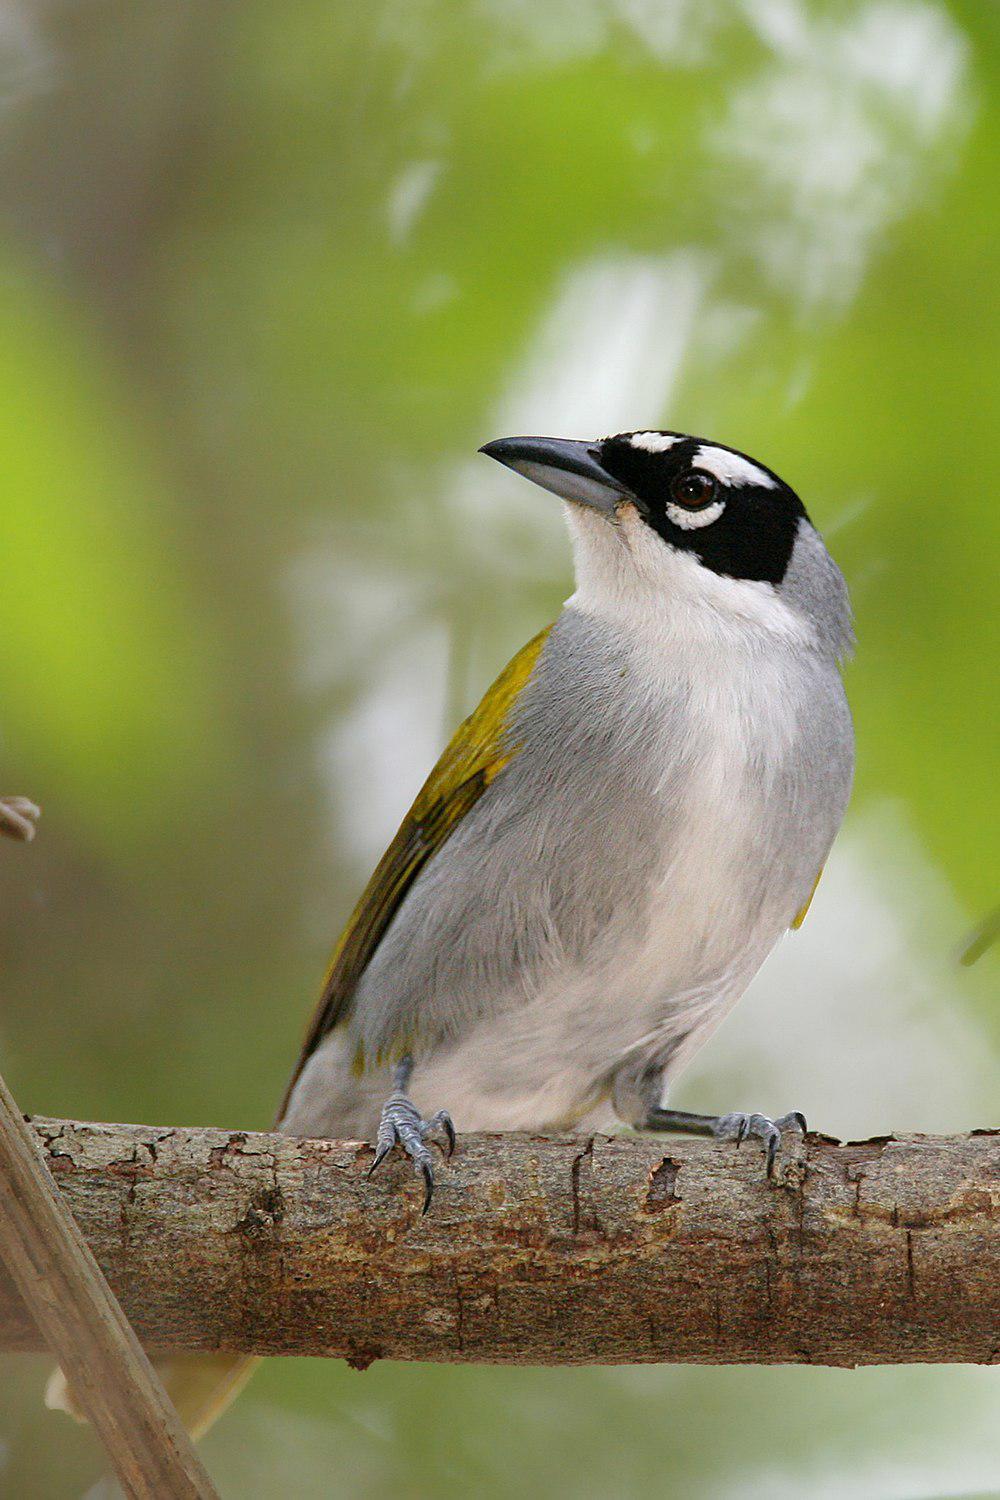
(402, 1124)
(732, 1127)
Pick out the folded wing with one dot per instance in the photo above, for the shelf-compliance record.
(477, 753)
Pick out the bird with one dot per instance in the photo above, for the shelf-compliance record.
(619, 834)
(612, 842)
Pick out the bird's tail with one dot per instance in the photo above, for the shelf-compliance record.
(201, 1386)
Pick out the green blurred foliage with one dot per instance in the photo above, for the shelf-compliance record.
(106, 693)
(269, 276)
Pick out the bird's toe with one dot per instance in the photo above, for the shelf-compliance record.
(738, 1125)
(403, 1125)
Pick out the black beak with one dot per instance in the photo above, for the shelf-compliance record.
(571, 470)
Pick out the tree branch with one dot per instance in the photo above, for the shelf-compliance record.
(540, 1251)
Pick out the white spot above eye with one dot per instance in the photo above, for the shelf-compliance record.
(731, 468)
(691, 520)
(653, 442)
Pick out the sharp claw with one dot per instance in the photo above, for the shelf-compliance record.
(739, 1126)
(449, 1130)
(401, 1125)
(380, 1156)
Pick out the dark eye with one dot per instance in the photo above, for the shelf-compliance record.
(693, 489)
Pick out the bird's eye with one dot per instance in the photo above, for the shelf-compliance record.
(694, 501)
(693, 489)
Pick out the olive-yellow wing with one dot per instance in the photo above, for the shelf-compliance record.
(477, 753)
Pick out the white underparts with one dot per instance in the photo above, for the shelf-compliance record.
(731, 468)
(693, 520)
(628, 574)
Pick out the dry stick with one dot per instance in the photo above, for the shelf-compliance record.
(76, 1312)
(74, 1308)
(18, 816)
(566, 1250)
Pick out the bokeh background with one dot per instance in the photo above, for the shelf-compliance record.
(269, 275)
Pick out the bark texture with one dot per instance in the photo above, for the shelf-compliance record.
(571, 1250)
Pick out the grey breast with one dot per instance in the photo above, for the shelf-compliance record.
(559, 841)
(559, 856)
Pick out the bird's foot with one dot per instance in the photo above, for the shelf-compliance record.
(18, 816)
(737, 1126)
(732, 1127)
(402, 1125)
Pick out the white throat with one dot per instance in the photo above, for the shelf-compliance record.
(629, 576)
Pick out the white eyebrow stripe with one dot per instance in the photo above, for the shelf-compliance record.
(731, 468)
(653, 442)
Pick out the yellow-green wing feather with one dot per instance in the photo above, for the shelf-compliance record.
(800, 915)
(478, 752)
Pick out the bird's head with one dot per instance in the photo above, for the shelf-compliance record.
(662, 516)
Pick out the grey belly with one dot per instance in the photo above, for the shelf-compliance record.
(599, 910)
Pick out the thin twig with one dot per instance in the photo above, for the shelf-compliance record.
(65, 1291)
(18, 816)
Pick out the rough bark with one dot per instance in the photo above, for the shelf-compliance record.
(541, 1251)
